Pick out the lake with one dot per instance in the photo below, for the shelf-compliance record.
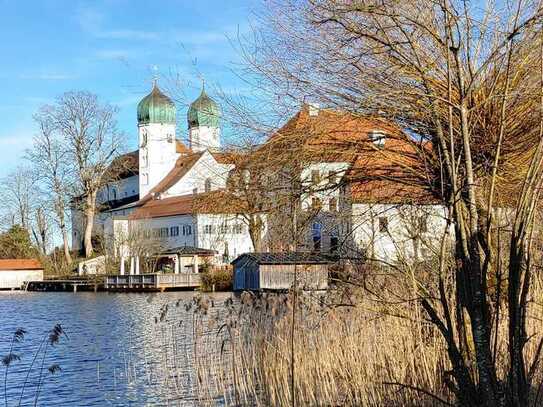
(120, 350)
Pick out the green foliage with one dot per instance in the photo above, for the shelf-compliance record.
(16, 244)
(222, 279)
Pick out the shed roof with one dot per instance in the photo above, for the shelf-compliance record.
(20, 264)
(286, 258)
(190, 251)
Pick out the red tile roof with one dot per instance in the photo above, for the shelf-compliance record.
(214, 202)
(20, 264)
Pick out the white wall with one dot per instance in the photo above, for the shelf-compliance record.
(157, 154)
(228, 230)
(204, 137)
(119, 189)
(206, 168)
(323, 190)
(397, 242)
(15, 278)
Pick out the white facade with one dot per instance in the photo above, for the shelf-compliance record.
(205, 138)
(12, 279)
(389, 233)
(157, 154)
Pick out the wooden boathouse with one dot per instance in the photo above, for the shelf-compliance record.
(278, 271)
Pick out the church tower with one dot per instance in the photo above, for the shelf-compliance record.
(203, 120)
(157, 146)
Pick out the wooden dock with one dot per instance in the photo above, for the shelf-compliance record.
(74, 285)
(152, 282)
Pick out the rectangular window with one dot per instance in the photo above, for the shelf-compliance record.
(237, 229)
(332, 177)
(423, 224)
(156, 232)
(333, 244)
(383, 224)
(144, 178)
(317, 243)
(208, 229)
(332, 205)
(164, 232)
(224, 228)
(187, 230)
(316, 203)
(315, 177)
(174, 231)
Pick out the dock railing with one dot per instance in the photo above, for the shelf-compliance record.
(153, 281)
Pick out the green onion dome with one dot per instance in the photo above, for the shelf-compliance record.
(204, 111)
(156, 107)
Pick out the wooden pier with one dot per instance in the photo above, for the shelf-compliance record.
(74, 285)
(152, 282)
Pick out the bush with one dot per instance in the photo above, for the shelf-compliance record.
(222, 279)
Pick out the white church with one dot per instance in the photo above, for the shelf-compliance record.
(153, 198)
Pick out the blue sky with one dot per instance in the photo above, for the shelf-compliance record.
(112, 48)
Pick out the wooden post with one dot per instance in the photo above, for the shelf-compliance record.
(122, 266)
(137, 260)
(176, 264)
(195, 263)
(131, 266)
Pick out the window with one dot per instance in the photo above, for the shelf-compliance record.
(332, 203)
(207, 186)
(316, 203)
(315, 177)
(333, 244)
(114, 194)
(377, 137)
(332, 177)
(187, 230)
(224, 228)
(316, 232)
(174, 231)
(144, 178)
(383, 224)
(156, 232)
(208, 229)
(237, 229)
(143, 138)
(164, 232)
(423, 224)
(144, 158)
(194, 191)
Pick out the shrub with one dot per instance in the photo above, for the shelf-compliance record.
(222, 279)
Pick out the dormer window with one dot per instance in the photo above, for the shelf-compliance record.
(377, 137)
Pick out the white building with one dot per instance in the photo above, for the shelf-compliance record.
(156, 196)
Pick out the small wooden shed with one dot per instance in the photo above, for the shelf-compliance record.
(14, 272)
(277, 271)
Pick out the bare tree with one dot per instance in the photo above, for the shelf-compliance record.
(90, 141)
(466, 82)
(49, 157)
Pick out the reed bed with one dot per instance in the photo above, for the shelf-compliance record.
(351, 348)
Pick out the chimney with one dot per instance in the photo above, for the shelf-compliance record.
(313, 109)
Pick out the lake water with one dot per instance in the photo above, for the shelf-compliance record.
(119, 351)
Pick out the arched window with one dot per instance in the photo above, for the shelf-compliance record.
(316, 231)
(207, 186)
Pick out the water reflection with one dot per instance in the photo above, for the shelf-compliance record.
(119, 353)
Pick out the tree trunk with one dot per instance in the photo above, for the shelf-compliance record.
(90, 201)
(255, 231)
(67, 255)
